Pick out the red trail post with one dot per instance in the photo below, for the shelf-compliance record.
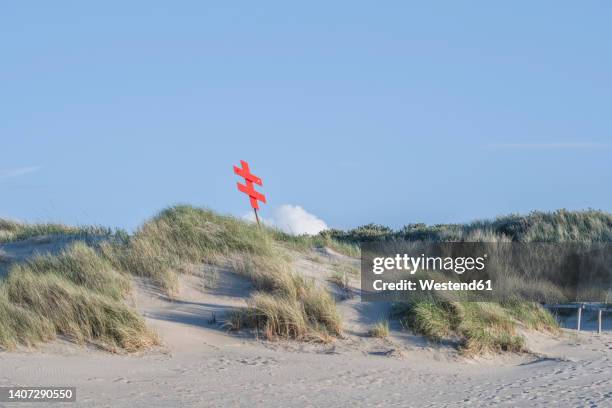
(248, 188)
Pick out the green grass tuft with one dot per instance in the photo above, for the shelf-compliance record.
(478, 327)
(288, 305)
(380, 329)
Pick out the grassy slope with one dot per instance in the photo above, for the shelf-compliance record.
(286, 305)
(80, 292)
(557, 226)
(477, 326)
(15, 231)
(76, 294)
(487, 326)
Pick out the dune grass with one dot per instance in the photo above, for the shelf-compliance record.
(341, 276)
(20, 326)
(80, 292)
(15, 231)
(537, 226)
(340, 279)
(75, 294)
(80, 265)
(477, 327)
(380, 329)
(531, 315)
(322, 240)
(310, 316)
(287, 305)
(481, 327)
(181, 236)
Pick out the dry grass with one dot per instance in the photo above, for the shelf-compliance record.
(18, 325)
(272, 274)
(76, 294)
(277, 316)
(82, 266)
(313, 317)
(341, 280)
(380, 329)
(287, 305)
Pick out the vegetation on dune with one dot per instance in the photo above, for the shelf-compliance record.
(181, 236)
(309, 315)
(19, 325)
(76, 294)
(15, 231)
(80, 292)
(538, 226)
(271, 273)
(341, 276)
(380, 329)
(285, 306)
(82, 266)
(341, 280)
(490, 326)
(322, 240)
(477, 327)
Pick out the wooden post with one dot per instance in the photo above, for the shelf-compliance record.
(599, 312)
(257, 217)
(579, 316)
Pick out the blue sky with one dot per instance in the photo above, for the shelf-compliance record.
(392, 112)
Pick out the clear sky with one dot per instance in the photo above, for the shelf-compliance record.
(388, 112)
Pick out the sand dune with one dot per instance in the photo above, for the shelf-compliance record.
(201, 364)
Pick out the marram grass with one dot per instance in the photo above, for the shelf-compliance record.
(75, 294)
(380, 329)
(477, 327)
(79, 293)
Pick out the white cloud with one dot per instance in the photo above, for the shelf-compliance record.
(292, 219)
(18, 171)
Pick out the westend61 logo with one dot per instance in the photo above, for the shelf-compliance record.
(412, 264)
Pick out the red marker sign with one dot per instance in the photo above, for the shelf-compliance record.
(249, 188)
